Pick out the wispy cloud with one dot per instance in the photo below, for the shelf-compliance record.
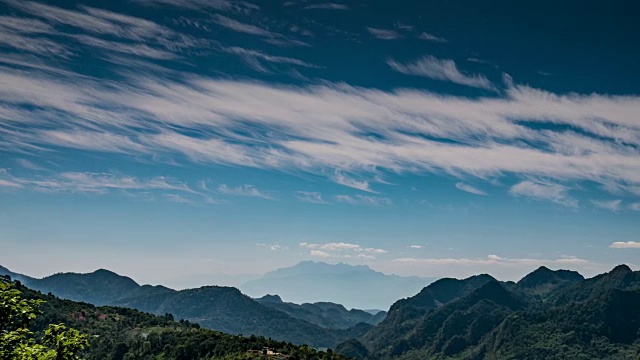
(342, 179)
(611, 205)
(27, 164)
(470, 189)
(243, 190)
(273, 247)
(383, 34)
(310, 197)
(432, 38)
(441, 69)
(323, 129)
(544, 191)
(489, 260)
(625, 245)
(363, 200)
(250, 29)
(327, 6)
(415, 246)
(255, 59)
(342, 250)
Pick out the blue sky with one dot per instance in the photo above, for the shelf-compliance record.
(198, 142)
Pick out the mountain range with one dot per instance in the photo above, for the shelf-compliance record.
(118, 333)
(352, 286)
(219, 308)
(546, 315)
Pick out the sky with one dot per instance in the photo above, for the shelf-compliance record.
(196, 142)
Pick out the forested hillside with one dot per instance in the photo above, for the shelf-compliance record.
(121, 333)
(547, 315)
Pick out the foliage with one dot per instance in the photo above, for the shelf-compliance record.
(17, 341)
(118, 333)
(547, 315)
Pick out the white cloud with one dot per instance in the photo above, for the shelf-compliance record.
(544, 191)
(310, 197)
(489, 260)
(27, 164)
(243, 190)
(341, 179)
(431, 37)
(273, 247)
(470, 189)
(323, 129)
(383, 34)
(319, 253)
(634, 206)
(625, 245)
(178, 199)
(342, 250)
(415, 246)
(253, 58)
(441, 69)
(327, 6)
(611, 205)
(363, 200)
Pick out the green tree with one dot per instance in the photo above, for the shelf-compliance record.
(17, 341)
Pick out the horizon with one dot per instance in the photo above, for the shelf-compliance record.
(257, 276)
(180, 143)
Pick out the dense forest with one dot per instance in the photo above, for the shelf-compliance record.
(546, 315)
(220, 308)
(120, 333)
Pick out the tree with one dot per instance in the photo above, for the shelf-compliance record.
(17, 341)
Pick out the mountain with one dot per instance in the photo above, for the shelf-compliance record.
(544, 280)
(325, 314)
(352, 286)
(546, 315)
(122, 333)
(219, 308)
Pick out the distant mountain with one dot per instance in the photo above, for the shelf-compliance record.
(224, 309)
(546, 315)
(351, 286)
(324, 314)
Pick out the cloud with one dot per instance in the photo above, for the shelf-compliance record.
(327, 6)
(331, 129)
(470, 189)
(104, 183)
(440, 69)
(243, 190)
(415, 246)
(625, 245)
(634, 206)
(341, 179)
(27, 164)
(544, 191)
(310, 197)
(253, 58)
(270, 36)
(342, 250)
(383, 34)
(319, 253)
(363, 200)
(489, 260)
(611, 205)
(273, 247)
(431, 37)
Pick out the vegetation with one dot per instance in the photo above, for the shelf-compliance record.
(547, 315)
(16, 340)
(220, 308)
(120, 333)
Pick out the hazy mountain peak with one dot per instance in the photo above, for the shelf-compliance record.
(354, 286)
